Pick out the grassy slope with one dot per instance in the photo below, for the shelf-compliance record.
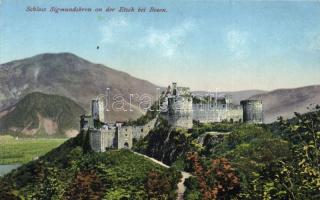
(21, 151)
(72, 172)
(250, 148)
(60, 109)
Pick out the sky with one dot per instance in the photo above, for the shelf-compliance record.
(203, 44)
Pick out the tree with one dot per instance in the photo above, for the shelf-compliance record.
(86, 185)
(298, 175)
(158, 186)
(217, 180)
(51, 187)
(304, 136)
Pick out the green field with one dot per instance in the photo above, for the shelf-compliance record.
(23, 150)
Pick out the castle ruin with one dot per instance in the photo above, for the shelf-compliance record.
(178, 104)
(179, 107)
(104, 135)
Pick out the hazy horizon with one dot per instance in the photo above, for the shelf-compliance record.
(206, 45)
(211, 90)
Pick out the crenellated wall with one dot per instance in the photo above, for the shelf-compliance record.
(206, 113)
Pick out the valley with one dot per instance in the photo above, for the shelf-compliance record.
(15, 150)
(52, 156)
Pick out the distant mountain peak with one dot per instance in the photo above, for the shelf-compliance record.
(68, 75)
(64, 58)
(39, 113)
(62, 55)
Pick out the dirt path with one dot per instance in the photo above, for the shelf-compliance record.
(181, 187)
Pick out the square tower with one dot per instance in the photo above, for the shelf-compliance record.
(97, 110)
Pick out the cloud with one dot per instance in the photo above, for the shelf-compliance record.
(313, 40)
(237, 43)
(168, 42)
(136, 36)
(113, 29)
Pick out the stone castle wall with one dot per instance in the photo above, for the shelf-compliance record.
(184, 121)
(206, 114)
(108, 137)
(100, 139)
(235, 115)
(139, 132)
(179, 111)
(118, 137)
(95, 140)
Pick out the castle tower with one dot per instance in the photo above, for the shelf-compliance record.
(174, 89)
(179, 104)
(124, 137)
(97, 107)
(252, 111)
(180, 111)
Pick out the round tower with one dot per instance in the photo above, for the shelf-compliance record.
(180, 111)
(252, 111)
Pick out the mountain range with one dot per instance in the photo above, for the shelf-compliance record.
(284, 102)
(39, 114)
(68, 75)
(79, 80)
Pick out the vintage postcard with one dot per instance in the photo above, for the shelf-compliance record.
(159, 99)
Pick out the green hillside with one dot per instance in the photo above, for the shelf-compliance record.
(227, 161)
(71, 171)
(39, 114)
(275, 161)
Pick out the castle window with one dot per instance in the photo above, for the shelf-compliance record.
(142, 130)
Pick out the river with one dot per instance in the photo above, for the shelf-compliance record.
(4, 169)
